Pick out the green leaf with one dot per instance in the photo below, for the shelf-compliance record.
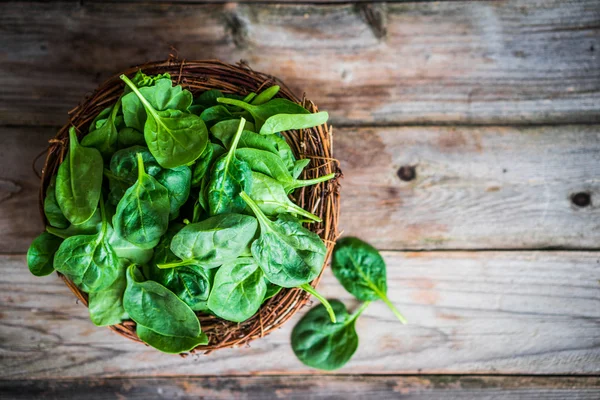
(79, 181)
(54, 215)
(216, 113)
(104, 138)
(178, 182)
(213, 241)
(228, 178)
(128, 137)
(319, 343)
(204, 164)
(106, 306)
(128, 251)
(289, 254)
(361, 270)
(272, 290)
(40, 256)
(238, 291)
(142, 215)
(270, 197)
(299, 167)
(282, 149)
(152, 305)
(89, 227)
(269, 164)
(170, 344)
(265, 95)
(286, 122)
(190, 283)
(262, 112)
(225, 130)
(174, 137)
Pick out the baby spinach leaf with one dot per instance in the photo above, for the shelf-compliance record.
(174, 137)
(215, 113)
(289, 254)
(142, 215)
(162, 251)
(79, 181)
(40, 256)
(88, 260)
(262, 112)
(319, 343)
(89, 227)
(104, 138)
(286, 122)
(299, 167)
(265, 95)
(170, 344)
(209, 98)
(152, 305)
(270, 197)
(129, 251)
(225, 130)
(203, 165)
(213, 241)
(106, 306)
(361, 270)
(128, 137)
(52, 210)
(100, 119)
(271, 165)
(177, 181)
(282, 149)
(229, 176)
(140, 79)
(239, 290)
(272, 290)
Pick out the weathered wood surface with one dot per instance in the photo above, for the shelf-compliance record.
(474, 187)
(309, 387)
(468, 312)
(514, 61)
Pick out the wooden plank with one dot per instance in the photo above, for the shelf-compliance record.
(303, 387)
(474, 187)
(468, 312)
(514, 61)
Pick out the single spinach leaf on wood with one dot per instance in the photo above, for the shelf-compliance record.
(106, 306)
(289, 254)
(79, 181)
(361, 270)
(54, 215)
(142, 215)
(89, 260)
(319, 343)
(238, 291)
(170, 344)
(262, 112)
(269, 164)
(104, 138)
(174, 137)
(265, 95)
(269, 195)
(152, 305)
(213, 241)
(40, 256)
(286, 122)
(229, 176)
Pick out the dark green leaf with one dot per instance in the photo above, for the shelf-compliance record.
(216, 113)
(106, 306)
(52, 210)
(128, 137)
(104, 138)
(40, 256)
(262, 112)
(190, 283)
(170, 344)
(89, 227)
(128, 251)
(225, 130)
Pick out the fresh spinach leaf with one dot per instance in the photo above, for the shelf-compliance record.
(104, 138)
(54, 215)
(319, 343)
(225, 130)
(106, 306)
(174, 137)
(286, 122)
(128, 137)
(215, 113)
(152, 305)
(272, 290)
(178, 182)
(128, 251)
(40, 256)
(299, 167)
(202, 167)
(265, 95)
(170, 344)
(89, 227)
(229, 176)
(239, 290)
(262, 112)
(79, 181)
(361, 270)
(142, 215)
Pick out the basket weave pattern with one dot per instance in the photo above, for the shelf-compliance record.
(315, 143)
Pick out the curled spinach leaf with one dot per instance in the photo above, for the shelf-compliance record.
(142, 215)
(40, 256)
(239, 290)
(54, 215)
(174, 137)
(170, 344)
(361, 270)
(152, 305)
(319, 343)
(79, 181)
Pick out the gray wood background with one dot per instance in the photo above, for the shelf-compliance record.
(492, 247)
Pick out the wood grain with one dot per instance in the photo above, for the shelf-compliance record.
(311, 387)
(513, 61)
(474, 187)
(468, 312)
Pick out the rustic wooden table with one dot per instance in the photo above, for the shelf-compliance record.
(469, 137)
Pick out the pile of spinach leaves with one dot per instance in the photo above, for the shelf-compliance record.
(316, 340)
(172, 205)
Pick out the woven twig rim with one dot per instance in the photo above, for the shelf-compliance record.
(322, 199)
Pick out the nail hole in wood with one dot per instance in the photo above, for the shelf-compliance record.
(582, 199)
(407, 173)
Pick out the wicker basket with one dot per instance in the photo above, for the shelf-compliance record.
(322, 199)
